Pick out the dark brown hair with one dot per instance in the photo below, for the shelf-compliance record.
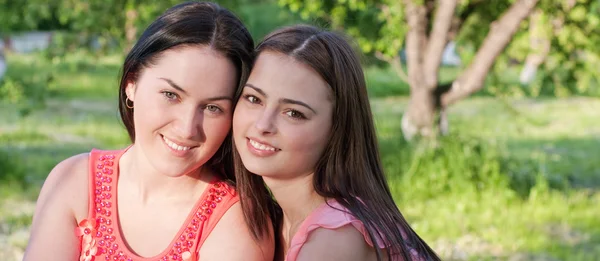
(191, 23)
(349, 170)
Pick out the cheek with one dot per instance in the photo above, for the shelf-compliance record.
(241, 119)
(305, 139)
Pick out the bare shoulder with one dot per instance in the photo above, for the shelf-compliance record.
(344, 243)
(232, 240)
(62, 201)
(67, 183)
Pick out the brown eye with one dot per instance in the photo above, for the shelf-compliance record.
(295, 114)
(252, 99)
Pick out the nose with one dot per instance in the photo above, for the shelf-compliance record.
(189, 123)
(265, 122)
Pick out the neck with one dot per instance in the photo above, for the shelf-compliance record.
(298, 199)
(151, 186)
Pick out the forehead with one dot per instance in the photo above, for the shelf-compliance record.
(279, 73)
(193, 66)
(199, 57)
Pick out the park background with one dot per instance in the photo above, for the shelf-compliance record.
(487, 111)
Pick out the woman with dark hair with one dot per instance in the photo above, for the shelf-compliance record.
(169, 195)
(303, 126)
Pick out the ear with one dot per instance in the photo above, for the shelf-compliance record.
(130, 90)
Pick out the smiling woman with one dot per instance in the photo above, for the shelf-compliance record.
(171, 194)
(303, 126)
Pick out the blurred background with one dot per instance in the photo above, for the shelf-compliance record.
(487, 111)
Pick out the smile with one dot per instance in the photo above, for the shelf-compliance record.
(259, 146)
(174, 145)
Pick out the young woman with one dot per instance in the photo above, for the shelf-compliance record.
(166, 196)
(303, 126)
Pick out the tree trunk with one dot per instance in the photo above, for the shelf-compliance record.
(424, 55)
(130, 29)
(428, 99)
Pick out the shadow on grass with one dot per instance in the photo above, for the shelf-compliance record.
(564, 161)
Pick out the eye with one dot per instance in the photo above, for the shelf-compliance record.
(213, 108)
(252, 98)
(295, 115)
(170, 95)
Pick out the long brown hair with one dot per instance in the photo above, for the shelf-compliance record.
(349, 170)
(191, 23)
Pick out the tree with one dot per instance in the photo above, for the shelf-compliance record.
(107, 19)
(423, 28)
(564, 40)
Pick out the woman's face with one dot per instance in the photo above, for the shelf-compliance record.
(282, 121)
(183, 106)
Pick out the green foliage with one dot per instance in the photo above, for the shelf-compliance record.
(377, 25)
(570, 69)
(571, 66)
(27, 15)
(102, 20)
(452, 164)
(263, 17)
(11, 170)
(26, 93)
(464, 164)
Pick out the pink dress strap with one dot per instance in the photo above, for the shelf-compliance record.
(330, 215)
(100, 233)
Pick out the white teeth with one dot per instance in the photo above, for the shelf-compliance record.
(261, 146)
(173, 145)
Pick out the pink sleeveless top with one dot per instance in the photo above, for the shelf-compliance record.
(331, 215)
(101, 237)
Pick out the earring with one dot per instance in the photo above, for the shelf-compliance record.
(127, 100)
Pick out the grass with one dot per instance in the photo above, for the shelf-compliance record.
(515, 179)
(548, 205)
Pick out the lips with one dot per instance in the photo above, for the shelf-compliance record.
(261, 146)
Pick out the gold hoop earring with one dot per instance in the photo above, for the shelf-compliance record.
(127, 104)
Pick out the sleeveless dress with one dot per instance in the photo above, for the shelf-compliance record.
(101, 238)
(332, 215)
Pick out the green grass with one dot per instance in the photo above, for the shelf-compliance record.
(545, 201)
(517, 178)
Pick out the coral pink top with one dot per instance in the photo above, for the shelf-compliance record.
(101, 238)
(331, 215)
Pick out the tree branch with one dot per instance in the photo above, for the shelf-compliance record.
(501, 32)
(437, 41)
(396, 64)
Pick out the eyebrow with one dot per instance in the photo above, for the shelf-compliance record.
(174, 85)
(284, 100)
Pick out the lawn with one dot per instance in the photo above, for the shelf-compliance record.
(515, 180)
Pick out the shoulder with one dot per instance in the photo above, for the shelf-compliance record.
(62, 201)
(231, 239)
(343, 243)
(70, 171)
(67, 182)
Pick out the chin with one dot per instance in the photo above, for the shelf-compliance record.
(262, 170)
